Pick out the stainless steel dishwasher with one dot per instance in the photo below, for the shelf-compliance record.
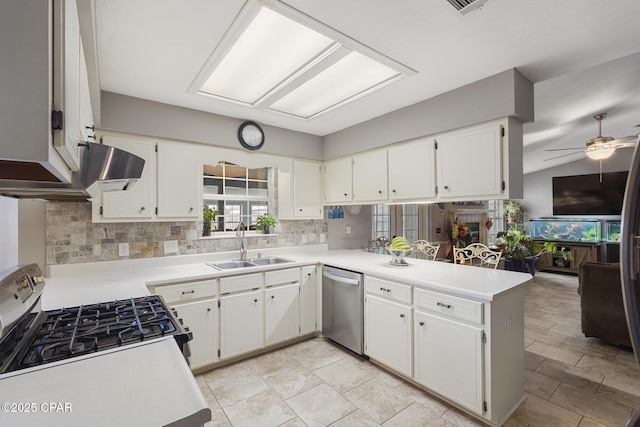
(342, 307)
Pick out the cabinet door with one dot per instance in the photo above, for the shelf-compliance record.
(178, 181)
(338, 181)
(308, 300)
(281, 313)
(449, 359)
(583, 254)
(307, 190)
(139, 200)
(412, 169)
(241, 323)
(67, 88)
(470, 162)
(370, 176)
(201, 318)
(387, 333)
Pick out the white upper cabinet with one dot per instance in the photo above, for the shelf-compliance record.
(45, 72)
(169, 188)
(471, 162)
(338, 181)
(370, 176)
(412, 170)
(137, 202)
(300, 191)
(178, 181)
(307, 189)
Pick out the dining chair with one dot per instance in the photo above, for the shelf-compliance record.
(477, 254)
(427, 249)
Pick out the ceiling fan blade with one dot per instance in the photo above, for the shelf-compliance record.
(557, 157)
(626, 141)
(563, 149)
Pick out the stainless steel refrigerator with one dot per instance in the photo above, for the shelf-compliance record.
(630, 260)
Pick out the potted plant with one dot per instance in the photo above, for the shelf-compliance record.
(208, 216)
(265, 222)
(521, 252)
(513, 211)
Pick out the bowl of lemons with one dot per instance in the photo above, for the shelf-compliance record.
(399, 249)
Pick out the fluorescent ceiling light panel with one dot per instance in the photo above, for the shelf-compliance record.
(352, 76)
(267, 53)
(270, 60)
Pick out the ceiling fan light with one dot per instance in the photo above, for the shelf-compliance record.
(600, 154)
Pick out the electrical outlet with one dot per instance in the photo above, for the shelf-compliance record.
(323, 238)
(305, 239)
(123, 249)
(347, 230)
(170, 246)
(509, 324)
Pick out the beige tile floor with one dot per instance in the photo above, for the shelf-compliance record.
(570, 380)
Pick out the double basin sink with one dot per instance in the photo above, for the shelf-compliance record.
(253, 262)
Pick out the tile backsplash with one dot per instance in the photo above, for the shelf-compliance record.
(73, 238)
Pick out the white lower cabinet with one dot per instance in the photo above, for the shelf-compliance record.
(388, 335)
(201, 317)
(241, 323)
(308, 286)
(281, 313)
(449, 359)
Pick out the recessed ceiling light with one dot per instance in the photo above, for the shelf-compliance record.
(273, 57)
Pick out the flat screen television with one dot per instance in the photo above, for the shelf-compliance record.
(588, 195)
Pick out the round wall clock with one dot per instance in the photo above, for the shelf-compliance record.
(251, 135)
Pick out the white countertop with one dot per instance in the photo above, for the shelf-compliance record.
(99, 282)
(146, 386)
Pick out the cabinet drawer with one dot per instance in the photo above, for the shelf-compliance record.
(281, 277)
(240, 283)
(393, 290)
(187, 291)
(459, 308)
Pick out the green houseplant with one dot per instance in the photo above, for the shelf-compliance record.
(513, 211)
(521, 252)
(208, 216)
(265, 222)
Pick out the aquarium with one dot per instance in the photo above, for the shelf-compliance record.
(566, 230)
(613, 231)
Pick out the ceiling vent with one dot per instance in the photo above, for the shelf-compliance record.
(466, 6)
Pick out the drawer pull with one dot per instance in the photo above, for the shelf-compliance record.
(385, 290)
(440, 304)
(421, 323)
(402, 316)
(188, 292)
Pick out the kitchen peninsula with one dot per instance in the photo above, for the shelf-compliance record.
(463, 327)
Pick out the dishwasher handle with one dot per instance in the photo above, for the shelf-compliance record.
(340, 279)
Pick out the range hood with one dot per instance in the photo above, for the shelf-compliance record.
(103, 168)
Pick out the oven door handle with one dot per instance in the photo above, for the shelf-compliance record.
(340, 279)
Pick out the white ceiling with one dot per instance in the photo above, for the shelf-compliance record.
(582, 55)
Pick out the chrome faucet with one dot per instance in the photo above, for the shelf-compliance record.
(243, 241)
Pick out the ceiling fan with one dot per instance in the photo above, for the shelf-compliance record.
(600, 147)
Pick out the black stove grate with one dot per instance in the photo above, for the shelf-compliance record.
(71, 332)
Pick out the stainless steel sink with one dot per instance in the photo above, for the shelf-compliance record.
(228, 265)
(254, 262)
(269, 260)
